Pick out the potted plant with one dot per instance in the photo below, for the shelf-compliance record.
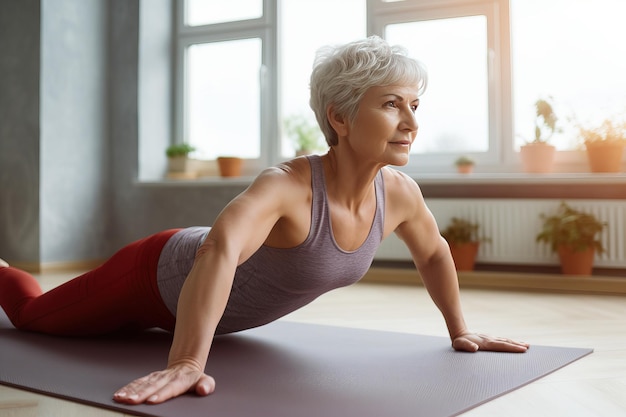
(605, 145)
(304, 134)
(464, 164)
(538, 155)
(179, 165)
(464, 241)
(574, 236)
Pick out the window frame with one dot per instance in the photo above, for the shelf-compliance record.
(381, 14)
(502, 156)
(263, 28)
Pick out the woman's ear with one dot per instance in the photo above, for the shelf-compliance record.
(338, 122)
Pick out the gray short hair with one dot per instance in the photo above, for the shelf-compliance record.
(342, 74)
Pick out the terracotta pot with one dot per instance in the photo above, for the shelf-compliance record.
(604, 156)
(464, 255)
(576, 262)
(537, 158)
(465, 169)
(230, 166)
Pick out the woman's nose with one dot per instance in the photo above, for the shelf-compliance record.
(409, 122)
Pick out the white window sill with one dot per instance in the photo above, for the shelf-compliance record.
(425, 178)
(213, 181)
(520, 178)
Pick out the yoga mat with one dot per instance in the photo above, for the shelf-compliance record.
(283, 369)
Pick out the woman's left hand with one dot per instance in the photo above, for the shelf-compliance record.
(472, 342)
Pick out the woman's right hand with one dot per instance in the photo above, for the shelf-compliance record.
(160, 386)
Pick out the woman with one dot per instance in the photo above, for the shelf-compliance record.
(301, 229)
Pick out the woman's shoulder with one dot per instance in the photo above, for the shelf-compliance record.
(401, 191)
(398, 182)
(286, 176)
(296, 168)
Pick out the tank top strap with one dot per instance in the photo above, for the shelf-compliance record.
(318, 202)
(379, 218)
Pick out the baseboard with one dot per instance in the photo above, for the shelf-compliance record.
(499, 280)
(509, 281)
(63, 266)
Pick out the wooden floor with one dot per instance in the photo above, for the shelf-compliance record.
(592, 386)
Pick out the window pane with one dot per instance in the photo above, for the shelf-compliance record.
(344, 21)
(454, 111)
(223, 98)
(205, 12)
(574, 52)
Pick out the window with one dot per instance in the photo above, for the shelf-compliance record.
(573, 52)
(222, 87)
(458, 43)
(228, 60)
(243, 67)
(223, 98)
(301, 36)
(203, 12)
(454, 113)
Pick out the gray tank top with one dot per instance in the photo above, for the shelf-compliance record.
(276, 281)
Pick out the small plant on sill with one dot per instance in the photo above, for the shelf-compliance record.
(464, 161)
(179, 149)
(304, 134)
(464, 164)
(545, 121)
(609, 130)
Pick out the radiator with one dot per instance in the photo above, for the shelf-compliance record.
(512, 225)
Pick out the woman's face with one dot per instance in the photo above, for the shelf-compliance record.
(385, 127)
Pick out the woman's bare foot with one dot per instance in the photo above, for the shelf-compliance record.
(3, 263)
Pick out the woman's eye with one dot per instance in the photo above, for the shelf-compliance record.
(390, 104)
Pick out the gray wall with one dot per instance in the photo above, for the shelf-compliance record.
(142, 209)
(69, 136)
(19, 129)
(74, 157)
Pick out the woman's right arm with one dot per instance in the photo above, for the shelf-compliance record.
(238, 232)
(201, 304)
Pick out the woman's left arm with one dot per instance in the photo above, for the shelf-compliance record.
(440, 279)
(431, 254)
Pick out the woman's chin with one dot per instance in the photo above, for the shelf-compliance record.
(400, 161)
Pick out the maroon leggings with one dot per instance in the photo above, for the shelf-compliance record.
(120, 295)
